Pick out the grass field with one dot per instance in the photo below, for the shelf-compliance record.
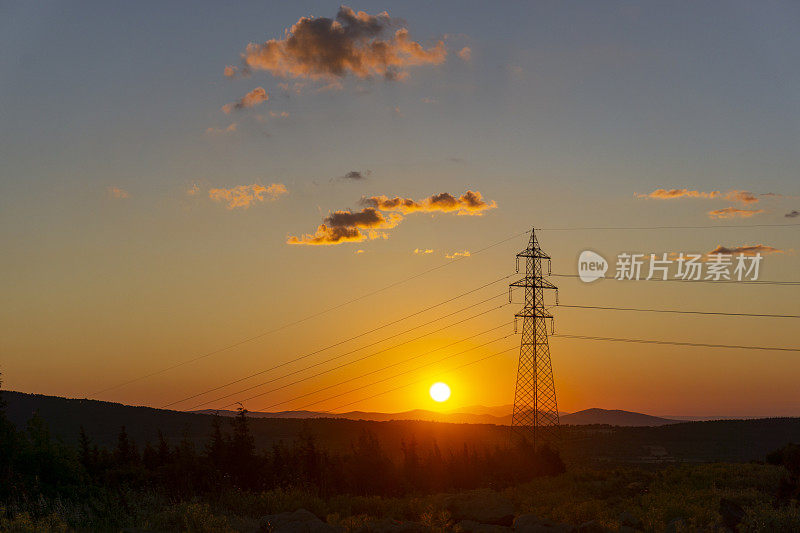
(684, 497)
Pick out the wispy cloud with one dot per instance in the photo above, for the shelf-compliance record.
(222, 131)
(794, 213)
(750, 249)
(469, 203)
(734, 195)
(733, 212)
(422, 251)
(354, 43)
(243, 196)
(253, 98)
(116, 192)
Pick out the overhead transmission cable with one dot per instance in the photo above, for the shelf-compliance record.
(677, 343)
(305, 356)
(450, 356)
(402, 361)
(306, 318)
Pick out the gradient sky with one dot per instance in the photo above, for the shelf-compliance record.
(118, 261)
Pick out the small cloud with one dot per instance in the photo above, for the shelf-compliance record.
(465, 53)
(733, 212)
(193, 190)
(116, 192)
(245, 195)
(230, 71)
(746, 197)
(253, 98)
(222, 131)
(429, 100)
(421, 251)
(792, 214)
(751, 249)
(356, 175)
(734, 195)
(456, 159)
(397, 111)
(282, 114)
(359, 252)
(456, 255)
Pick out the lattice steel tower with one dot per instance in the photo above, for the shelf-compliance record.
(535, 415)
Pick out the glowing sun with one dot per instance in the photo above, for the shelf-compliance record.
(440, 392)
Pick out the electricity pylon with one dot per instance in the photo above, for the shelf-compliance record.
(535, 415)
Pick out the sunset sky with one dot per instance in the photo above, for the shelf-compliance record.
(176, 179)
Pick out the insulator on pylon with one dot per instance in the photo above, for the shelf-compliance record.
(552, 326)
(515, 325)
(549, 267)
(510, 289)
(517, 264)
(556, 296)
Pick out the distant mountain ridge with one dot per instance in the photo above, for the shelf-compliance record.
(483, 415)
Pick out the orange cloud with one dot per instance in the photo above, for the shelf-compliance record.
(253, 98)
(455, 255)
(746, 197)
(733, 212)
(734, 195)
(469, 203)
(222, 131)
(383, 213)
(751, 249)
(423, 251)
(353, 43)
(465, 53)
(116, 192)
(246, 195)
(668, 194)
(348, 226)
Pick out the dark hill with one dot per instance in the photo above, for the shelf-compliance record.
(614, 417)
(722, 440)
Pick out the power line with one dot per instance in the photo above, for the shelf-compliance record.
(422, 380)
(341, 355)
(332, 369)
(309, 317)
(582, 337)
(403, 361)
(705, 226)
(677, 311)
(676, 343)
(387, 378)
(743, 282)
